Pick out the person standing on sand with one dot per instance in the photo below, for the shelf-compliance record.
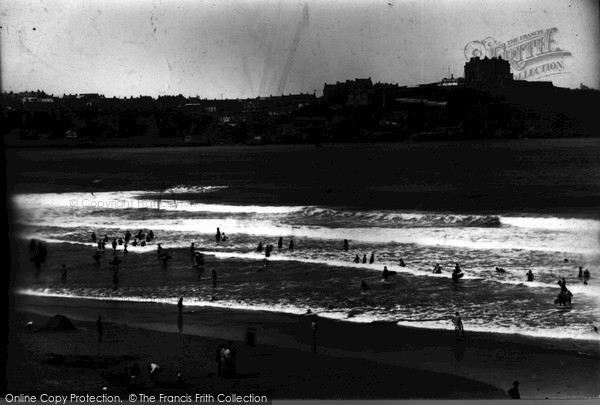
(386, 273)
(280, 243)
(346, 245)
(154, 369)
(458, 325)
(314, 334)
(365, 258)
(100, 328)
(180, 314)
(514, 391)
(372, 259)
(218, 235)
(218, 360)
(226, 361)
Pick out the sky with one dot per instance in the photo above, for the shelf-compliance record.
(250, 48)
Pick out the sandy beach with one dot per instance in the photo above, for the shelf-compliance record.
(377, 360)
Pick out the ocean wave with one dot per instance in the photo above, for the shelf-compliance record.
(356, 218)
(552, 223)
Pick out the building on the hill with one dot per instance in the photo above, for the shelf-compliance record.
(488, 73)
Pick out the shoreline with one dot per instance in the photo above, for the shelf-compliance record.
(544, 368)
(564, 344)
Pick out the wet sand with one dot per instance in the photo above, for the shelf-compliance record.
(353, 360)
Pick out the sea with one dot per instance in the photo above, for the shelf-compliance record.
(519, 205)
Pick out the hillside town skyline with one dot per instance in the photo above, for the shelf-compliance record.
(486, 103)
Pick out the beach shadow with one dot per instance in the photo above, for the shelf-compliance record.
(180, 321)
(244, 376)
(458, 349)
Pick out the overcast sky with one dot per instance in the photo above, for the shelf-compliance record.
(247, 48)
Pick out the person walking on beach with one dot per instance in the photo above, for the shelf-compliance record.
(100, 328)
(458, 325)
(356, 259)
(218, 235)
(280, 243)
(580, 274)
(114, 244)
(346, 245)
(314, 334)
(365, 258)
(154, 369)
(372, 259)
(93, 237)
(514, 391)
(63, 274)
(259, 248)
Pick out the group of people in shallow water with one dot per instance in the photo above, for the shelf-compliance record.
(563, 298)
(140, 239)
(584, 274)
(38, 254)
(371, 259)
